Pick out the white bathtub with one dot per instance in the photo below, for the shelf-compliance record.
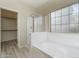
(58, 45)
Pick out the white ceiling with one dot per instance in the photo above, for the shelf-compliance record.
(35, 3)
(44, 6)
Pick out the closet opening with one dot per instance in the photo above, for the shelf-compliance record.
(8, 30)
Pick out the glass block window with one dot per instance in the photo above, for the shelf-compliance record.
(66, 19)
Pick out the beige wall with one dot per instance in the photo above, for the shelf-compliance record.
(23, 11)
(47, 23)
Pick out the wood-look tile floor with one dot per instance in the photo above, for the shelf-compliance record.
(10, 50)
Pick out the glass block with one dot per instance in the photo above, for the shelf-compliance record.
(74, 28)
(65, 11)
(65, 19)
(74, 8)
(65, 28)
(58, 13)
(58, 28)
(58, 20)
(74, 19)
(53, 28)
(53, 14)
(53, 20)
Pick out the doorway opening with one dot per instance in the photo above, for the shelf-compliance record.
(8, 31)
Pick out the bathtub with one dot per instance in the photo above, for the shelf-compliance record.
(57, 45)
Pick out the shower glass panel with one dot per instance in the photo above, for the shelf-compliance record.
(38, 23)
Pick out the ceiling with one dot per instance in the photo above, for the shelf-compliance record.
(35, 3)
(45, 6)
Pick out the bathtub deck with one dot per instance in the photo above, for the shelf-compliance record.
(56, 50)
(59, 45)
